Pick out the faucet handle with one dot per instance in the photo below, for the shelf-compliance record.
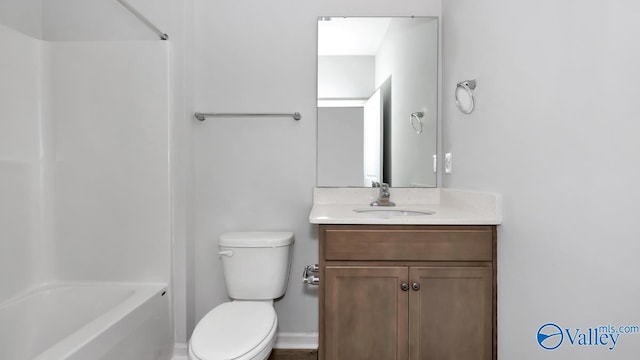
(384, 186)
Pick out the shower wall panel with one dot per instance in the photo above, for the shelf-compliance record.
(109, 107)
(19, 179)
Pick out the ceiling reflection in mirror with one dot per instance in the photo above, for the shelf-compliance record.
(377, 101)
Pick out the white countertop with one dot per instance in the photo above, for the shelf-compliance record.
(452, 207)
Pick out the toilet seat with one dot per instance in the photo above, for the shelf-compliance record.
(237, 330)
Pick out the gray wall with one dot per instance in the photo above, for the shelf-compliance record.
(556, 133)
(259, 173)
(340, 155)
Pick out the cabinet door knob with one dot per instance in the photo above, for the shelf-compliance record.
(404, 286)
(415, 286)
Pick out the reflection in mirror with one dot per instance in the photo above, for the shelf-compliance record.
(377, 101)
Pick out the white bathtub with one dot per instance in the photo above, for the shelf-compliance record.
(87, 321)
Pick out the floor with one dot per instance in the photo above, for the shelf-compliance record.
(286, 354)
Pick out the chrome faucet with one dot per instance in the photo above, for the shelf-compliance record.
(383, 197)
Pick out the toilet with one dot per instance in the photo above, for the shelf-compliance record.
(256, 271)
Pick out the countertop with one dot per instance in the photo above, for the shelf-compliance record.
(452, 207)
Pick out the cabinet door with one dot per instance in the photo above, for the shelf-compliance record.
(366, 313)
(451, 314)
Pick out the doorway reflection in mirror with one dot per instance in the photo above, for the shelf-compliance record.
(373, 74)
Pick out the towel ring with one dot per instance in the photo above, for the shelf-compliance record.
(418, 116)
(464, 96)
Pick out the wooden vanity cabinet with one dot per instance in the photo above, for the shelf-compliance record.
(407, 292)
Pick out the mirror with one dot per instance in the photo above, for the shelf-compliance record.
(377, 101)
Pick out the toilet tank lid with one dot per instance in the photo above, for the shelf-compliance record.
(256, 239)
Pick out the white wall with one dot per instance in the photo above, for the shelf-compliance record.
(93, 20)
(175, 17)
(88, 19)
(555, 132)
(22, 15)
(407, 56)
(20, 200)
(85, 149)
(259, 173)
(349, 77)
(109, 110)
(106, 20)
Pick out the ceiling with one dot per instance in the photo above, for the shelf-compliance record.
(351, 36)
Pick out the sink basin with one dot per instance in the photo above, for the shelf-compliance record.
(394, 212)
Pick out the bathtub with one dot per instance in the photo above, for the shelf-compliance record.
(87, 321)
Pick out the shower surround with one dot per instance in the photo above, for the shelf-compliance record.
(85, 179)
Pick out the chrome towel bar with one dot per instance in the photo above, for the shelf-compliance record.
(202, 116)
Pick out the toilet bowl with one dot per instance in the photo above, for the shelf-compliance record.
(237, 330)
(256, 268)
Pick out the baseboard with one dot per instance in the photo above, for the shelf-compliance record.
(180, 352)
(297, 341)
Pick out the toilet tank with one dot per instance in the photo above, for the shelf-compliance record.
(256, 264)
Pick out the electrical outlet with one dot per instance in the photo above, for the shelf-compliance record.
(448, 163)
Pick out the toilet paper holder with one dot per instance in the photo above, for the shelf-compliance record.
(308, 276)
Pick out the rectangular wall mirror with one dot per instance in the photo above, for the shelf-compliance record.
(377, 101)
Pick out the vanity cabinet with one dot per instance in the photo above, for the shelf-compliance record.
(407, 292)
